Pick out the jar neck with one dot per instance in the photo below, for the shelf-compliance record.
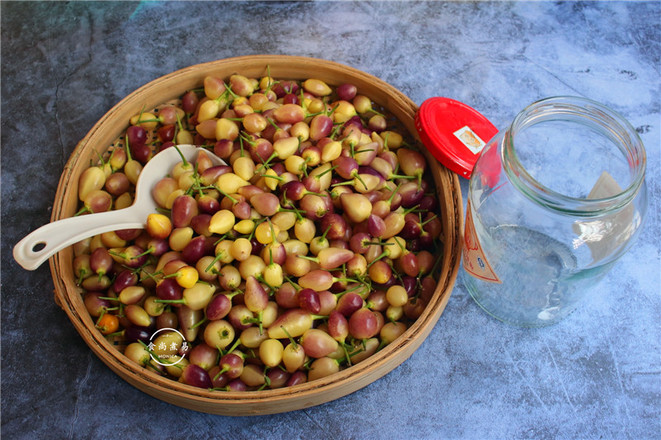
(592, 115)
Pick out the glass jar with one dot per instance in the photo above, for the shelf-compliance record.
(553, 202)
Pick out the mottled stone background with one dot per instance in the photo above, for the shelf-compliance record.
(595, 375)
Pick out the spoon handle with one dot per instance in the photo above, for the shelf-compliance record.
(49, 239)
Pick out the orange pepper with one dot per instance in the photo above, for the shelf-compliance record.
(108, 323)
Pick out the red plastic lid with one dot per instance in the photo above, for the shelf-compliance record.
(454, 133)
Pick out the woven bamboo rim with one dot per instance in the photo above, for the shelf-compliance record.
(173, 85)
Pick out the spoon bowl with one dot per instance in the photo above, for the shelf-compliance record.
(38, 246)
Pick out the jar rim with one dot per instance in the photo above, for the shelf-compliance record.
(597, 116)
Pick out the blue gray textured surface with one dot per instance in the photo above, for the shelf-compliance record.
(597, 374)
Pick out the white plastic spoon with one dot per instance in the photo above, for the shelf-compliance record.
(49, 239)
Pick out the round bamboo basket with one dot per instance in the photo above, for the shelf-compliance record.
(173, 85)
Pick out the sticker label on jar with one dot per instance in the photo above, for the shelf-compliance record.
(605, 234)
(475, 262)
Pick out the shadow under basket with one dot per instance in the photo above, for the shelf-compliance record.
(267, 401)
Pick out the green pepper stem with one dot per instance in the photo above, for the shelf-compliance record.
(171, 301)
(428, 220)
(183, 158)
